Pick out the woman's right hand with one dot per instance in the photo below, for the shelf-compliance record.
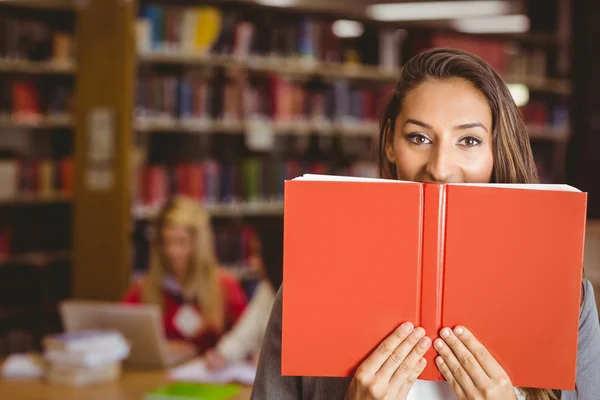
(390, 371)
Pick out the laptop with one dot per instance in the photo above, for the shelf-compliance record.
(140, 324)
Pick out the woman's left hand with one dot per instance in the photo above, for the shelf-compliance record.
(470, 369)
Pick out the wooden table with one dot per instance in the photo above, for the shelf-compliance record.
(131, 386)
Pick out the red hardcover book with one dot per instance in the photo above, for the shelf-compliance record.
(361, 256)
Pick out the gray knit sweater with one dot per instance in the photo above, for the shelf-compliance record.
(270, 385)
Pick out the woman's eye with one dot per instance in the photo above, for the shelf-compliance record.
(470, 141)
(417, 138)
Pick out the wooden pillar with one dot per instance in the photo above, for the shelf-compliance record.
(103, 142)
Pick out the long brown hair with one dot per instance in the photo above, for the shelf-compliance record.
(202, 283)
(513, 158)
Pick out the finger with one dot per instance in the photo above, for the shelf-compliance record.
(466, 359)
(458, 372)
(481, 354)
(447, 373)
(412, 378)
(376, 359)
(398, 359)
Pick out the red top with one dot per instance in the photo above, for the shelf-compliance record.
(205, 338)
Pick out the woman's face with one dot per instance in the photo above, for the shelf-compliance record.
(443, 134)
(176, 247)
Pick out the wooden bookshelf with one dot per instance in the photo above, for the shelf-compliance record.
(549, 133)
(41, 4)
(38, 122)
(256, 209)
(305, 68)
(359, 128)
(37, 67)
(36, 258)
(33, 200)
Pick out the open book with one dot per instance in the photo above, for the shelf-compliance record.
(361, 256)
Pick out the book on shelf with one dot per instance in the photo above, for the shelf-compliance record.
(41, 178)
(253, 180)
(503, 260)
(25, 100)
(30, 39)
(195, 101)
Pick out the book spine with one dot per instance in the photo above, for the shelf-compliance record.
(432, 270)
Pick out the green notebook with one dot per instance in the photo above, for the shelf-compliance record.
(193, 391)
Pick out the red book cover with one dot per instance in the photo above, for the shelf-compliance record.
(26, 101)
(361, 256)
(67, 176)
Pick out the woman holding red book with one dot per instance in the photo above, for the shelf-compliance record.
(450, 119)
(199, 300)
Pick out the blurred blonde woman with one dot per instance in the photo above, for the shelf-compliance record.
(199, 300)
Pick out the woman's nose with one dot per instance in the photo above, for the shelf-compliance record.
(441, 165)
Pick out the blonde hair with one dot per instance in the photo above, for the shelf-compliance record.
(202, 282)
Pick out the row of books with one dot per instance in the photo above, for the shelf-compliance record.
(36, 178)
(193, 97)
(234, 244)
(84, 358)
(544, 113)
(506, 58)
(269, 33)
(29, 99)
(251, 180)
(262, 32)
(34, 40)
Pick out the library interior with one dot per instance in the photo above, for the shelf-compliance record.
(136, 134)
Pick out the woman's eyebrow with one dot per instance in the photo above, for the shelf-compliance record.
(417, 122)
(471, 125)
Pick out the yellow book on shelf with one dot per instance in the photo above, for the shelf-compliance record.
(208, 27)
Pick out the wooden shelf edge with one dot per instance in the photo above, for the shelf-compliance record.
(33, 199)
(37, 67)
(291, 66)
(548, 133)
(37, 257)
(367, 129)
(264, 208)
(38, 122)
(66, 5)
(235, 127)
(301, 67)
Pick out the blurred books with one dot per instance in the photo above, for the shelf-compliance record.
(85, 358)
(23, 366)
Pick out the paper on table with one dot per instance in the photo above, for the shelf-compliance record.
(196, 371)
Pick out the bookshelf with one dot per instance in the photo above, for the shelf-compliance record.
(301, 123)
(37, 79)
(294, 67)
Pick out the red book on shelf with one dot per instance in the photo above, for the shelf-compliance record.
(361, 256)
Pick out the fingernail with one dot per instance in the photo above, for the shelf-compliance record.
(407, 326)
(459, 330)
(445, 333)
(438, 344)
(425, 342)
(420, 332)
(439, 360)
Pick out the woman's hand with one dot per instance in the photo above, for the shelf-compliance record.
(470, 369)
(390, 371)
(214, 361)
